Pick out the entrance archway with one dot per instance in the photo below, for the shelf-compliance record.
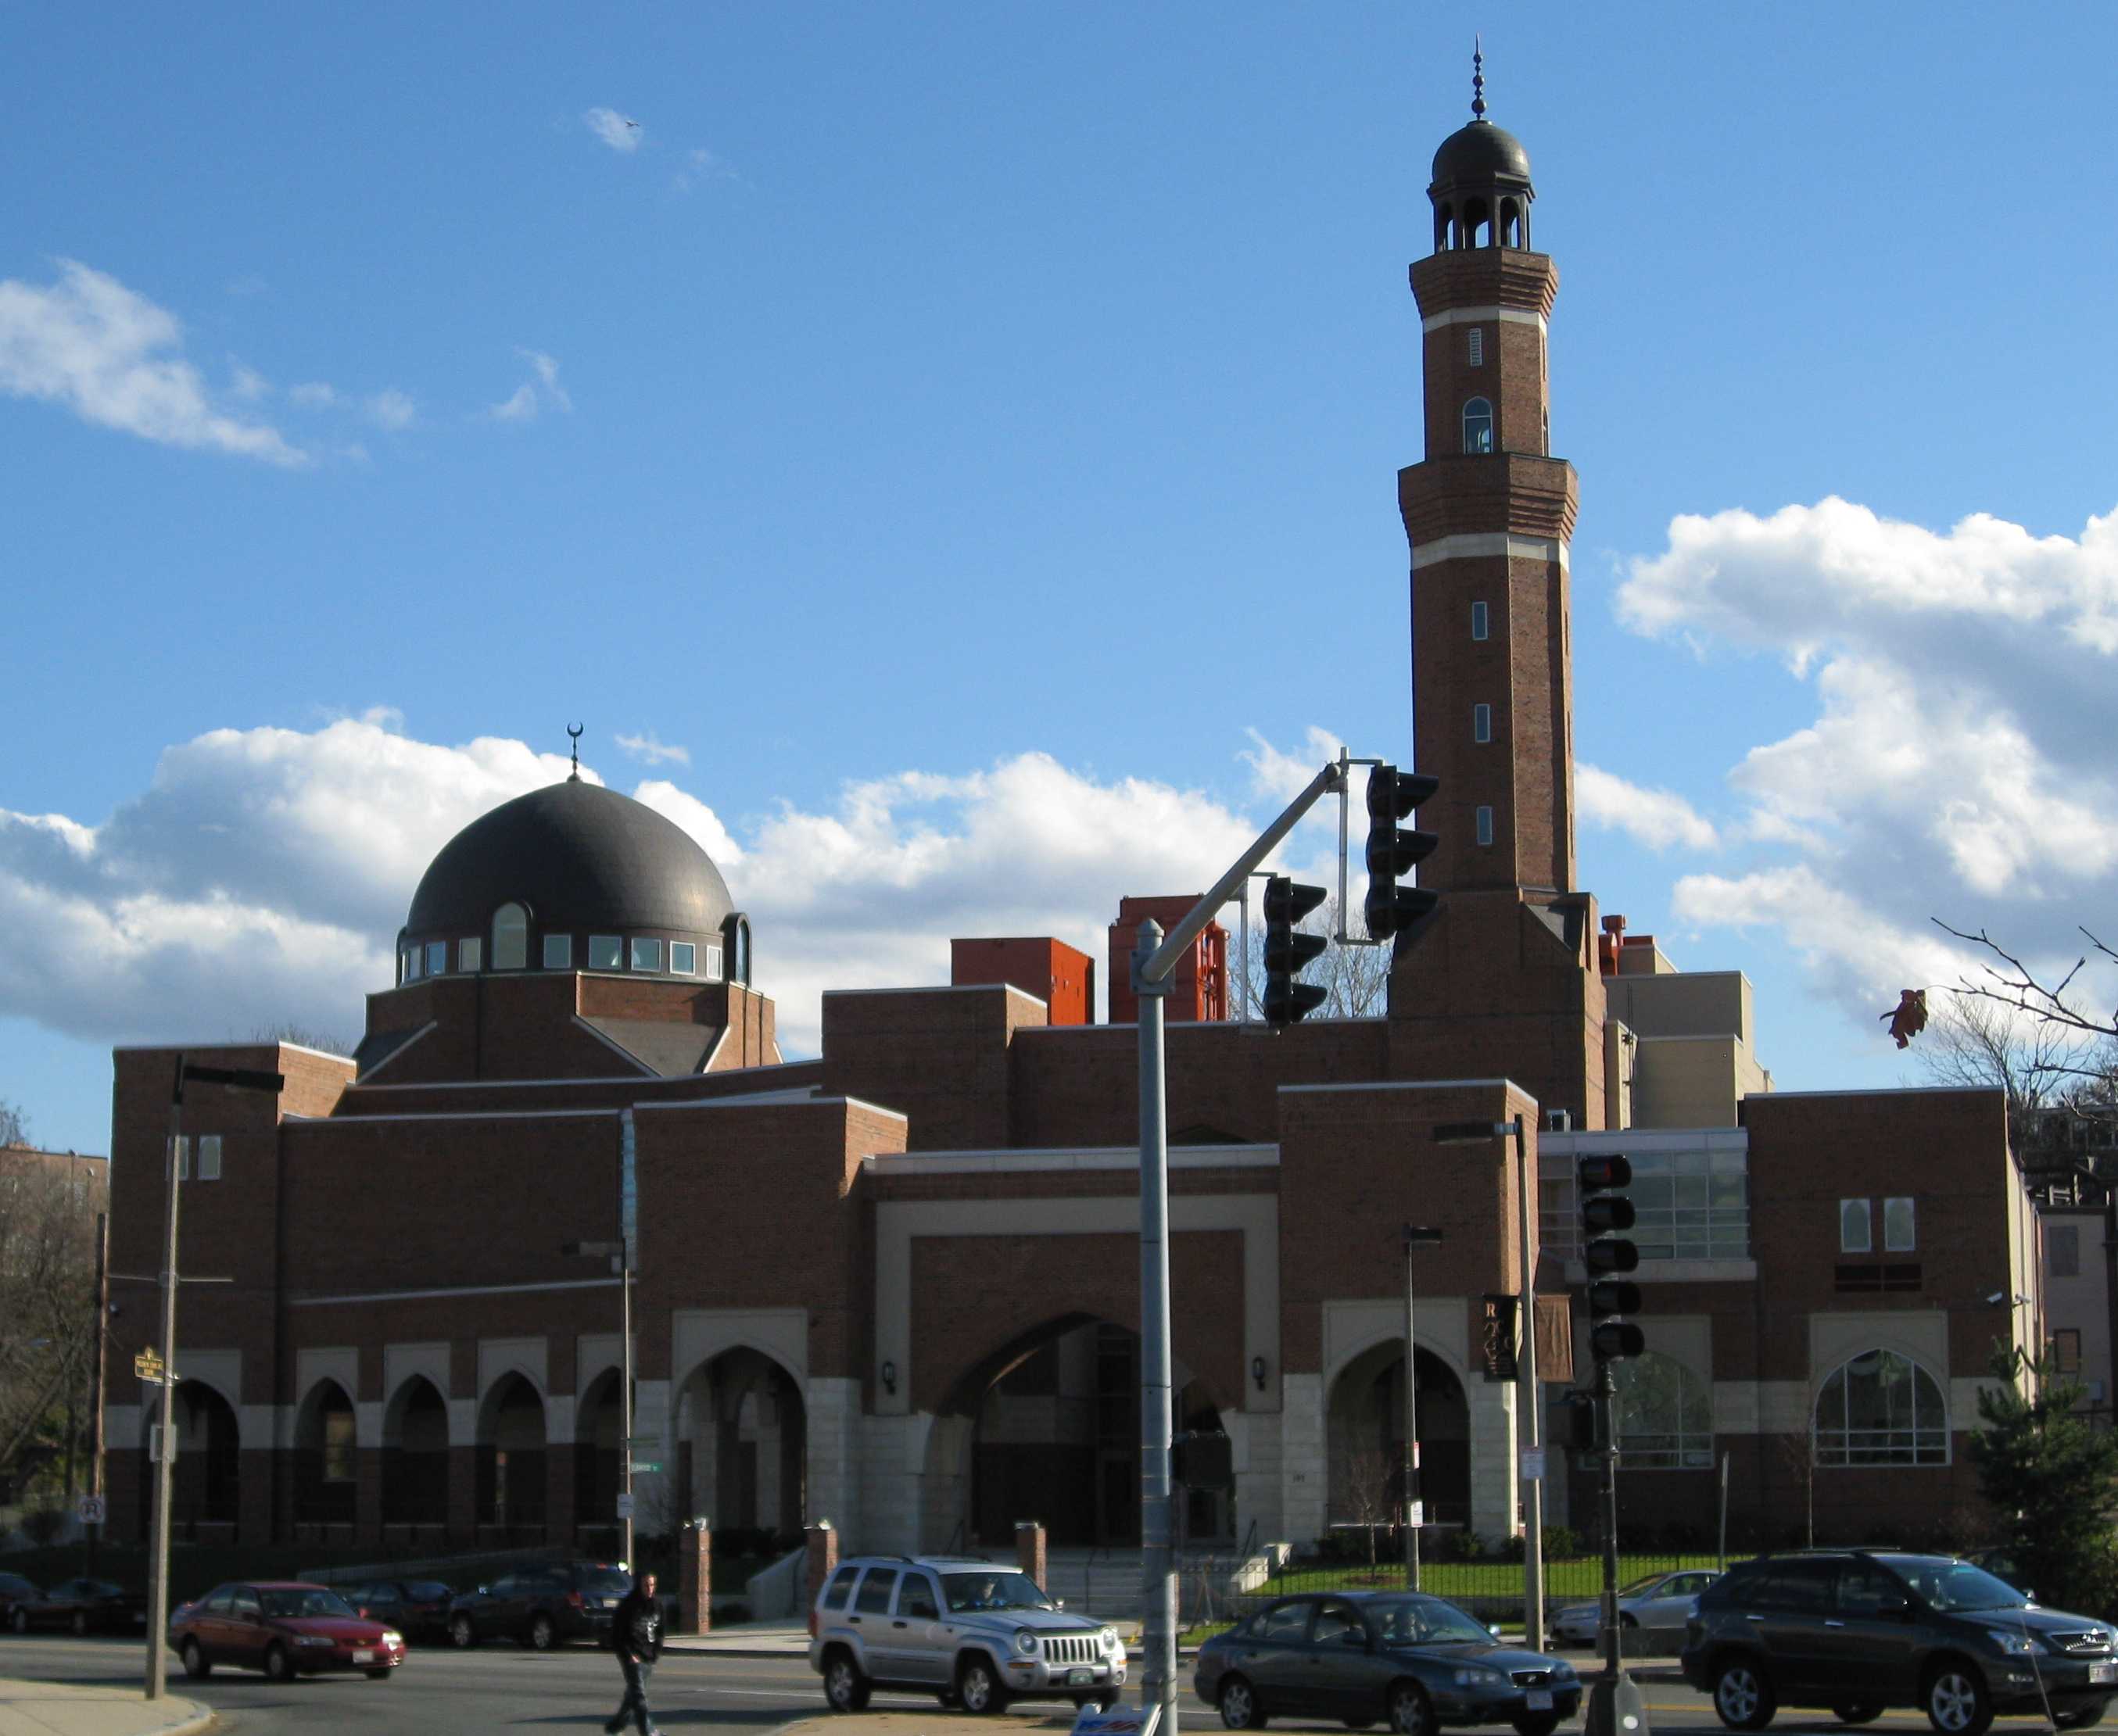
(1047, 1428)
(1365, 1439)
(205, 1487)
(743, 1444)
(511, 1462)
(326, 1478)
(599, 1440)
(415, 1455)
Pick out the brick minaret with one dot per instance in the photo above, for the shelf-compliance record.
(1505, 981)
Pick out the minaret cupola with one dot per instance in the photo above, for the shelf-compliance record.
(1481, 189)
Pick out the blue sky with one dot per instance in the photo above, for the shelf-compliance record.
(954, 445)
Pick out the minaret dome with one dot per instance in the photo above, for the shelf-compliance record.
(1481, 189)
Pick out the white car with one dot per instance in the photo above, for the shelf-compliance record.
(1661, 1601)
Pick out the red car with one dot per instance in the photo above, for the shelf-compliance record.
(284, 1628)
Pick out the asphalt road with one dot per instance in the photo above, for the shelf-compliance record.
(500, 1688)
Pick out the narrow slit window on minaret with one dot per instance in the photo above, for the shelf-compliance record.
(1485, 825)
(1482, 723)
(1478, 425)
(1478, 346)
(1477, 621)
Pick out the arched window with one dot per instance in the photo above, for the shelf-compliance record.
(1881, 1409)
(511, 938)
(1665, 1414)
(1478, 425)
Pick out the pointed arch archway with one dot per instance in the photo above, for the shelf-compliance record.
(415, 1456)
(742, 1444)
(326, 1465)
(1365, 1439)
(205, 1489)
(511, 1492)
(599, 1442)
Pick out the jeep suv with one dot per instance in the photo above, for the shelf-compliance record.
(975, 1634)
(1859, 1630)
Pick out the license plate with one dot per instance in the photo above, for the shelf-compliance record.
(1079, 1678)
(1538, 1699)
(366, 1655)
(2103, 1672)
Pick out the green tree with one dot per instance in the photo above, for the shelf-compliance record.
(2051, 1477)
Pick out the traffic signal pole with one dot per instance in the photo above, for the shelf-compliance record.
(1154, 959)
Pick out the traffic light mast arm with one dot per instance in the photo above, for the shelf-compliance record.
(1155, 970)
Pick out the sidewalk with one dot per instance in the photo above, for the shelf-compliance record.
(57, 1709)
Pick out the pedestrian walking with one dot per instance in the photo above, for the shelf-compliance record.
(635, 1636)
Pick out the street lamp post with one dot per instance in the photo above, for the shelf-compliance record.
(1416, 1237)
(1530, 1468)
(621, 1263)
(239, 1078)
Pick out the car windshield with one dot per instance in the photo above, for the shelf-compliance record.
(606, 1582)
(1640, 1585)
(1949, 1585)
(307, 1600)
(1424, 1620)
(427, 1591)
(992, 1590)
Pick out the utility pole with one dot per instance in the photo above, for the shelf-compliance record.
(1615, 1706)
(1527, 1399)
(623, 1256)
(1416, 1237)
(101, 1367)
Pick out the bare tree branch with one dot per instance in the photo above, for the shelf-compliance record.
(2020, 988)
(1355, 979)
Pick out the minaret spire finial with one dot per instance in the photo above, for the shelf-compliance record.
(1477, 77)
(574, 735)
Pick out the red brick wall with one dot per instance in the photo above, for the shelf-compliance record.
(938, 1055)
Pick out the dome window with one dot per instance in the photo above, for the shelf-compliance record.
(470, 954)
(736, 930)
(511, 938)
(412, 957)
(713, 971)
(605, 952)
(437, 957)
(646, 955)
(1478, 425)
(558, 951)
(683, 959)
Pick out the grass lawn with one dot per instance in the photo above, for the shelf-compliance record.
(1568, 1580)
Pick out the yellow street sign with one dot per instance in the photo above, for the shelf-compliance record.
(148, 1365)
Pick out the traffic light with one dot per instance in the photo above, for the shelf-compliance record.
(1286, 1001)
(1392, 909)
(1581, 1421)
(1605, 1208)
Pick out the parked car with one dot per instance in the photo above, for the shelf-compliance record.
(1417, 1662)
(419, 1608)
(82, 1606)
(285, 1628)
(541, 1607)
(1661, 1601)
(974, 1634)
(1860, 1630)
(14, 1590)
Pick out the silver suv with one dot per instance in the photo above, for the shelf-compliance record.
(975, 1634)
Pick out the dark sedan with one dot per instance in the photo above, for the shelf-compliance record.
(1419, 1663)
(14, 1590)
(82, 1606)
(541, 1607)
(419, 1608)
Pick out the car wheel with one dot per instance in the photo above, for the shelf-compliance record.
(1409, 1713)
(80, 1624)
(1541, 1723)
(197, 1664)
(845, 1686)
(279, 1665)
(463, 1634)
(979, 1689)
(1857, 1711)
(2081, 1718)
(1742, 1696)
(1238, 1703)
(542, 1632)
(20, 1620)
(1956, 1700)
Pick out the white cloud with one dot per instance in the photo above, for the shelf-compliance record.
(653, 750)
(1961, 762)
(115, 359)
(521, 406)
(248, 384)
(392, 409)
(264, 873)
(531, 395)
(702, 165)
(548, 376)
(312, 395)
(1657, 819)
(614, 129)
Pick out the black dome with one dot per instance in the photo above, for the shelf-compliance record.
(1480, 152)
(580, 856)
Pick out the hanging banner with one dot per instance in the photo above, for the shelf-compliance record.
(1496, 1336)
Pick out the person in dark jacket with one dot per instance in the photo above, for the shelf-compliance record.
(635, 1636)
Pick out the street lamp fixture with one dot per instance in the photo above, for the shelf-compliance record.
(1257, 1372)
(889, 1377)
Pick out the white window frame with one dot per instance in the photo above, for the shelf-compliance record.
(1922, 1439)
(617, 958)
(1480, 622)
(1687, 1443)
(209, 1157)
(1866, 1245)
(499, 960)
(415, 956)
(470, 954)
(1482, 724)
(712, 961)
(1484, 820)
(1891, 1242)
(647, 946)
(689, 965)
(563, 945)
(1468, 414)
(1476, 346)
